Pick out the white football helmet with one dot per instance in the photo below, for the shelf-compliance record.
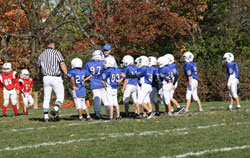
(170, 57)
(7, 68)
(227, 58)
(162, 61)
(25, 72)
(187, 57)
(143, 61)
(76, 63)
(127, 60)
(152, 61)
(108, 62)
(97, 55)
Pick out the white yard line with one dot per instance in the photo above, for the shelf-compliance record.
(208, 151)
(53, 126)
(115, 135)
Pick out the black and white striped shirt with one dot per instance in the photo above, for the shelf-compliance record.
(49, 62)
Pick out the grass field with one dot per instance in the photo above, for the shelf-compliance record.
(212, 133)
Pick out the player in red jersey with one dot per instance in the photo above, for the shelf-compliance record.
(8, 79)
(25, 85)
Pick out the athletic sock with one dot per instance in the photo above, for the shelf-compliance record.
(46, 115)
(238, 106)
(4, 110)
(15, 109)
(56, 107)
(230, 106)
(178, 106)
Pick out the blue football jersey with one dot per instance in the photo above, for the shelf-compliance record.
(79, 75)
(190, 69)
(96, 69)
(155, 77)
(111, 77)
(174, 70)
(232, 70)
(145, 74)
(163, 73)
(130, 70)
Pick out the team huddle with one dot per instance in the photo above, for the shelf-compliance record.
(140, 79)
(144, 79)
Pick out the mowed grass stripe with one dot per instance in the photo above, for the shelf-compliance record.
(115, 135)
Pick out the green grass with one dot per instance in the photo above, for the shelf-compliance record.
(215, 128)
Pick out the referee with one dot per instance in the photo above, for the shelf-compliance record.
(52, 66)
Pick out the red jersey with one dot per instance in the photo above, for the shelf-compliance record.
(25, 85)
(9, 80)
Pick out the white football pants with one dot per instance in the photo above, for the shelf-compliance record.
(52, 83)
(233, 83)
(130, 90)
(9, 94)
(100, 95)
(27, 99)
(193, 92)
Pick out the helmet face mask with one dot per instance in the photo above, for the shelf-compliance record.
(25, 74)
(97, 55)
(108, 62)
(7, 68)
(76, 63)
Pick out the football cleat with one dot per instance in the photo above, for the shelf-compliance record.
(137, 116)
(238, 108)
(166, 114)
(55, 115)
(119, 118)
(88, 118)
(229, 109)
(179, 110)
(46, 120)
(158, 113)
(4, 116)
(150, 115)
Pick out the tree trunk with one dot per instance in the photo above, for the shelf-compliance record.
(4, 47)
(234, 10)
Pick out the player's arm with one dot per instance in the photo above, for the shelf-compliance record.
(87, 78)
(189, 82)
(124, 85)
(72, 80)
(104, 85)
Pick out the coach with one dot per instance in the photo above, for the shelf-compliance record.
(106, 52)
(51, 64)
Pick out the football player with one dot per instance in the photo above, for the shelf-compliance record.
(129, 85)
(111, 78)
(25, 85)
(78, 76)
(95, 68)
(9, 79)
(145, 76)
(155, 86)
(166, 82)
(191, 74)
(174, 74)
(232, 79)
